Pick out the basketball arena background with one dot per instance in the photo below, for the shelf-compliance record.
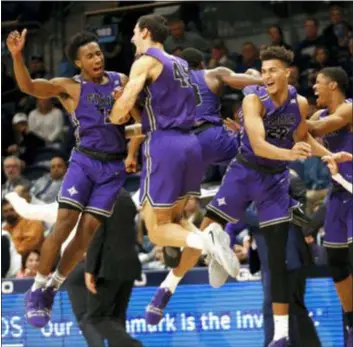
(197, 315)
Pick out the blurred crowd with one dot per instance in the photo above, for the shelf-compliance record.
(37, 138)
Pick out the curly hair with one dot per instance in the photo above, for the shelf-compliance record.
(80, 39)
(279, 53)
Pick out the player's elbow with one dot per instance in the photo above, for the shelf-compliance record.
(257, 147)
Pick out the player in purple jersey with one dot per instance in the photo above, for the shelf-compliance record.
(274, 133)
(218, 145)
(172, 167)
(96, 171)
(335, 125)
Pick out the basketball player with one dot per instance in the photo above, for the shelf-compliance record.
(172, 168)
(218, 145)
(274, 118)
(335, 125)
(96, 171)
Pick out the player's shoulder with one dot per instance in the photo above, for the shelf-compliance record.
(62, 81)
(302, 100)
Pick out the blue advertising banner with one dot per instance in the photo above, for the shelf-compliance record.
(196, 316)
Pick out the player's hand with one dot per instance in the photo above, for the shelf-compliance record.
(16, 41)
(253, 72)
(117, 93)
(342, 157)
(231, 124)
(301, 150)
(130, 164)
(331, 164)
(90, 283)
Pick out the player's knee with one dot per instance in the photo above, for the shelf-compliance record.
(338, 263)
(87, 228)
(66, 221)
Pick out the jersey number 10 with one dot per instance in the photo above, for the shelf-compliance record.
(181, 74)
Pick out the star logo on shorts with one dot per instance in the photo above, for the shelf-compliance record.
(221, 201)
(72, 191)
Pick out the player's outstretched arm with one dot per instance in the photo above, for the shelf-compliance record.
(235, 80)
(338, 120)
(137, 79)
(255, 129)
(40, 88)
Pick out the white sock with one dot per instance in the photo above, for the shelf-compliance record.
(171, 282)
(56, 280)
(281, 326)
(195, 240)
(39, 281)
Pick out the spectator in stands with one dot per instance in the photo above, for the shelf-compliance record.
(305, 49)
(220, 56)
(12, 170)
(177, 51)
(26, 235)
(276, 36)
(337, 29)
(30, 262)
(27, 142)
(294, 77)
(10, 259)
(46, 121)
(179, 38)
(47, 187)
(249, 58)
(37, 68)
(193, 211)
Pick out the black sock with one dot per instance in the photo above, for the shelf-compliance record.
(349, 319)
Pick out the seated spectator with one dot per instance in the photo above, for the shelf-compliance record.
(26, 235)
(177, 51)
(179, 38)
(294, 78)
(47, 187)
(12, 170)
(249, 58)
(277, 38)
(305, 49)
(336, 29)
(10, 259)
(30, 262)
(46, 121)
(37, 68)
(27, 142)
(321, 59)
(220, 56)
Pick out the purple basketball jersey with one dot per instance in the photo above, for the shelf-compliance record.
(280, 124)
(91, 117)
(340, 140)
(169, 102)
(207, 103)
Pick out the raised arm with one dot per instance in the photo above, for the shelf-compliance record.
(255, 129)
(137, 79)
(39, 88)
(338, 120)
(234, 80)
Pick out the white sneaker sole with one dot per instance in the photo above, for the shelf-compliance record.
(224, 254)
(217, 275)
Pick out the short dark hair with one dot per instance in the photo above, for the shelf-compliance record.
(156, 25)
(78, 40)
(338, 75)
(279, 53)
(312, 19)
(193, 57)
